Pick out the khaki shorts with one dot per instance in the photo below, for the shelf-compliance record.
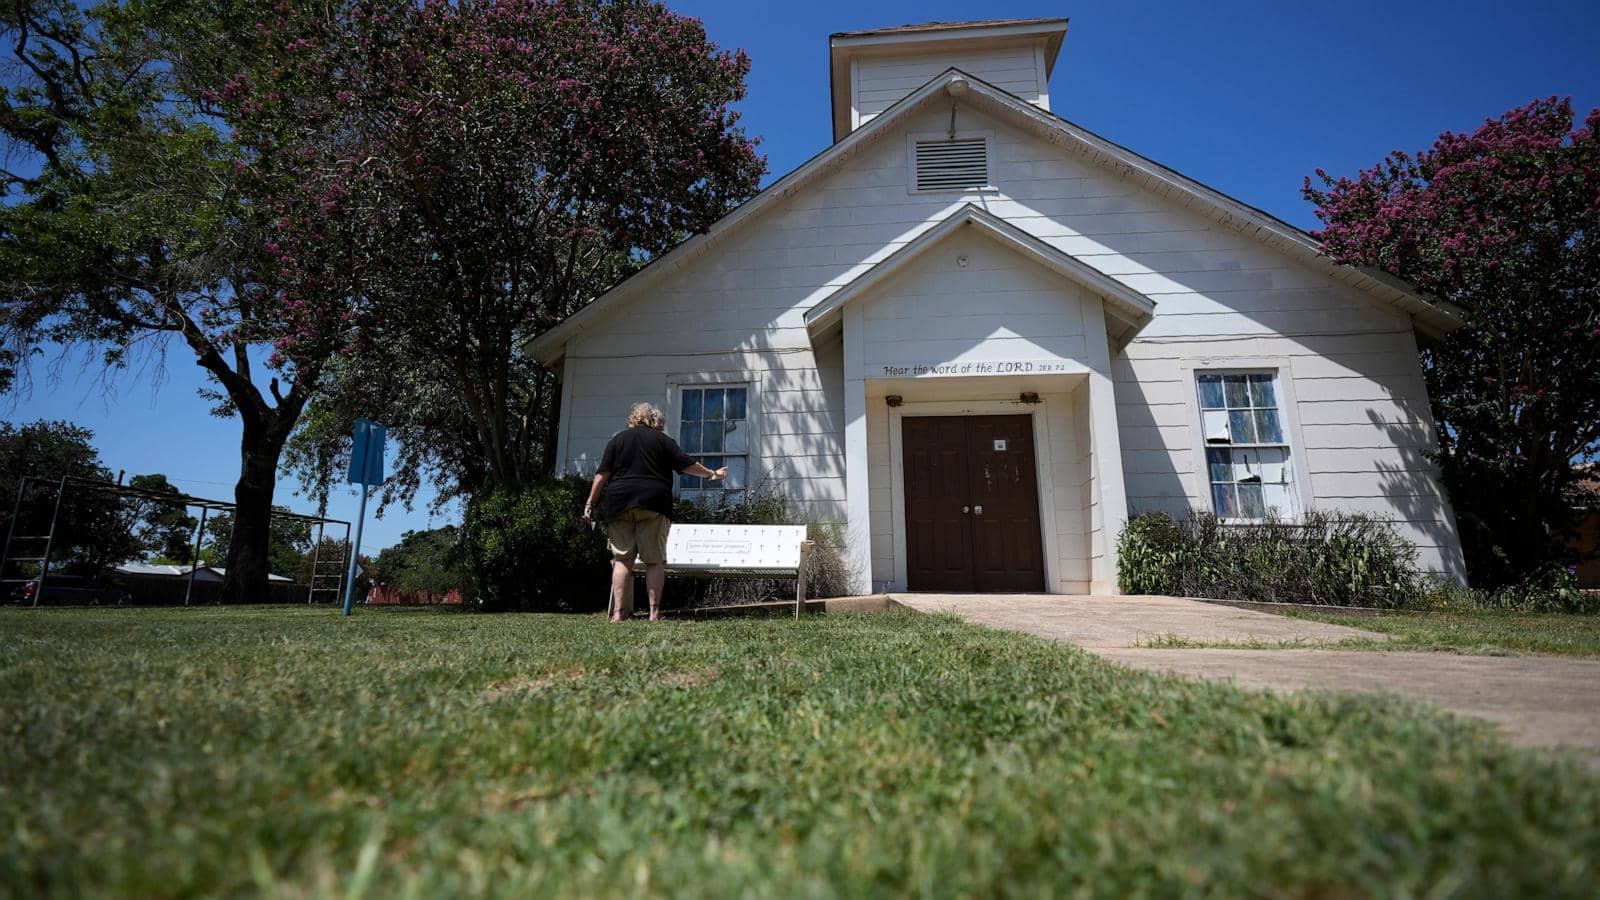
(640, 532)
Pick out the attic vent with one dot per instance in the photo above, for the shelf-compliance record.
(951, 165)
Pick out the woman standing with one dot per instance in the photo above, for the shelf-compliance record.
(639, 464)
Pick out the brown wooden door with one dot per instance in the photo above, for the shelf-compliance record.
(938, 532)
(972, 504)
(1006, 553)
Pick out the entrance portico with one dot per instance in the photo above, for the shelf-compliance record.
(996, 348)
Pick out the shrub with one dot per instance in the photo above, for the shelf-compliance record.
(1553, 590)
(1149, 554)
(527, 549)
(1337, 559)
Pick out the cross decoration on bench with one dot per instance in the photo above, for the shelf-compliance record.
(737, 551)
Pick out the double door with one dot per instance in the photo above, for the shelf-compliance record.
(972, 504)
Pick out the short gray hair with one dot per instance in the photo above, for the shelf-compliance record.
(646, 414)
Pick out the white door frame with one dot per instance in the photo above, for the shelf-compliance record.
(1050, 546)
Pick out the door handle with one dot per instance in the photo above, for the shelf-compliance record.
(965, 510)
(978, 510)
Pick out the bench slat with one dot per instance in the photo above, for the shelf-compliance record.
(735, 547)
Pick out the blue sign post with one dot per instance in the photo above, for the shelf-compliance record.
(366, 469)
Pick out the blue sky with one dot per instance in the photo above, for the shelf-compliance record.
(1246, 97)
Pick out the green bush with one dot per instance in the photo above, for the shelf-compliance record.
(1553, 590)
(1337, 559)
(1149, 554)
(527, 549)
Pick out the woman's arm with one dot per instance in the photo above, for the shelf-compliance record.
(700, 471)
(595, 487)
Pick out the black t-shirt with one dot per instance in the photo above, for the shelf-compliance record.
(641, 462)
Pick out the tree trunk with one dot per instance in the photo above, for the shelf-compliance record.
(247, 565)
(552, 428)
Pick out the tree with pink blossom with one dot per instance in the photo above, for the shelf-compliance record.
(485, 168)
(1505, 223)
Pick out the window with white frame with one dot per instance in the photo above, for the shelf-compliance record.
(1248, 462)
(714, 428)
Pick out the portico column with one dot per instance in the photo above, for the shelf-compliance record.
(858, 504)
(1107, 444)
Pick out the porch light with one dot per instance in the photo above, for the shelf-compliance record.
(893, 400)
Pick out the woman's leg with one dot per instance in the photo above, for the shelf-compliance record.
(655, 581)
(621, 607)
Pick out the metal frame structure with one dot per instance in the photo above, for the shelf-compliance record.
(188, 501)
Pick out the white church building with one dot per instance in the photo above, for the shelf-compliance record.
(980, 336)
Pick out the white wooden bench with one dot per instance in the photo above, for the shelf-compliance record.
(739, 551)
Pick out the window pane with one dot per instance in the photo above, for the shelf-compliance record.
(689, 437)
(1250, 502)
(1215, 423)
(713, 463)
(711, 437)
(735, 404)
(1223, 497)
(1267, 430)
(736, 472)
(1276, 497)
(1238, 391)
(1261, 392)
(1220, 464)
(713, 405)
(1211, 392)
(687, 483)
(735, 438)
(1274, 467)
(1241, 427)
(691, 404)
(1246, 465)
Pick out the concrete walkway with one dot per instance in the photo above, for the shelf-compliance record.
(1541, 701)
(1096, 622)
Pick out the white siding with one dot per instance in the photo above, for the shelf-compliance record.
(931, 317)
(1221, 296)
(881, 81)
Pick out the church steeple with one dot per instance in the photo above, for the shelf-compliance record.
(871, 70)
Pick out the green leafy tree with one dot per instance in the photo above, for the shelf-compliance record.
(160, 528)
(133, 220)
(424, 562)
(1505, 223)
(91, 529)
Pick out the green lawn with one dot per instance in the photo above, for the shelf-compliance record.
(1468, 632)
(206, 752)
(1484, 632)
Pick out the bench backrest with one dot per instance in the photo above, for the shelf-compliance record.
(735, 547)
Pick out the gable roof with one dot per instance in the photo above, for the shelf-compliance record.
(1432, 317)
(967, 25)
(1127, 310)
